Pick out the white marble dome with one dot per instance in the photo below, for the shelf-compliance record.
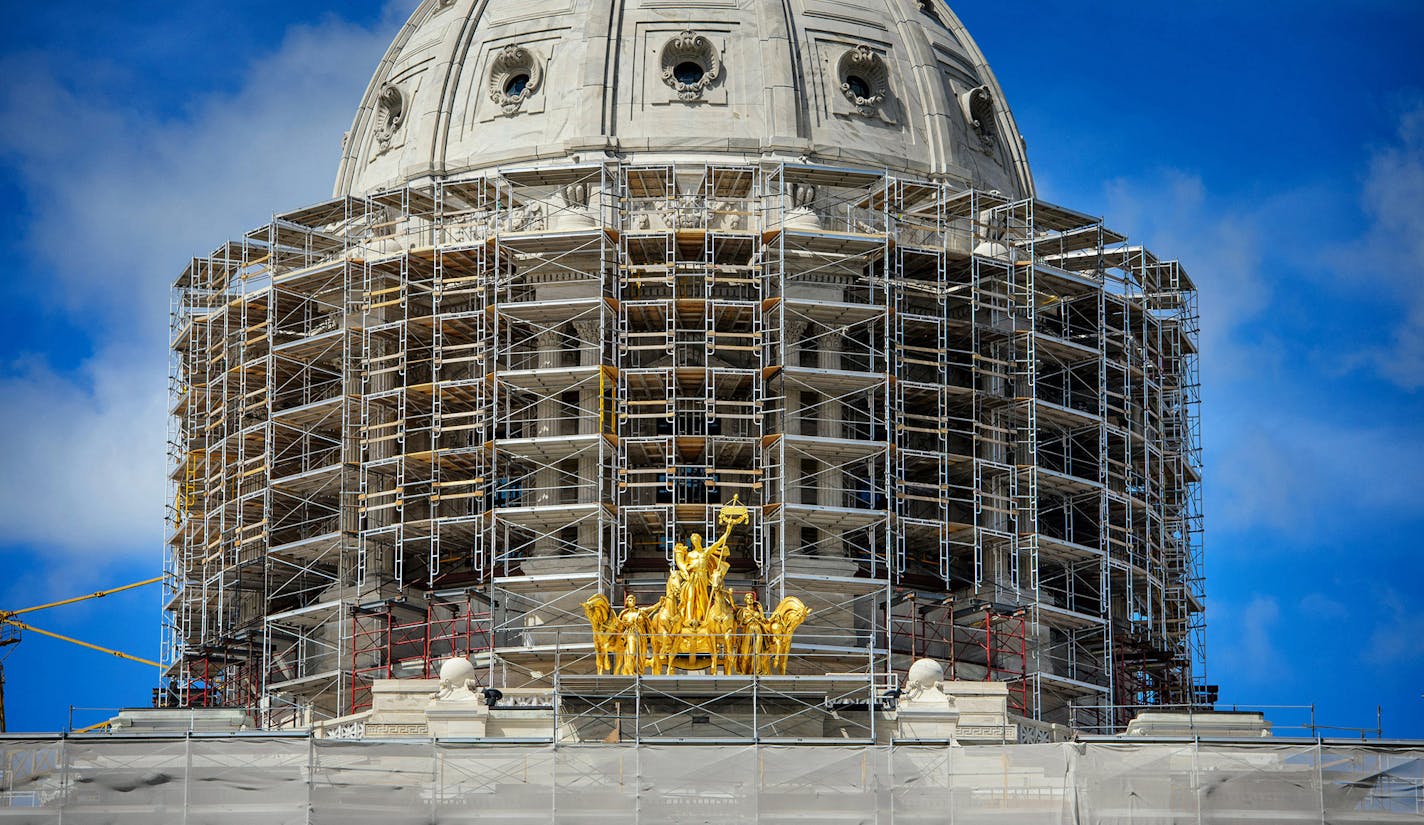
(882, 84)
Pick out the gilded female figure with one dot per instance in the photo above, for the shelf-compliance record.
(753, 623)
(633, 626)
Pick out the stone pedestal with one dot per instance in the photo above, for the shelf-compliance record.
(983, 712)
(457, 719)
(938, 720)
(802, 218)
(924, 711)
(398, 707)
(1212, 724)
(459, 710)
(572, 219)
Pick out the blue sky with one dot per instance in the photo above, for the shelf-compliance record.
(1276, 148)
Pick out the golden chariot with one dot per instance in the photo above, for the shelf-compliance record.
(697, 624)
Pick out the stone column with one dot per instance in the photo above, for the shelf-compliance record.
(791, 340)
(547, 412)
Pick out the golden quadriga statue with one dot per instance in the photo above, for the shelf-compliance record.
(697, 624)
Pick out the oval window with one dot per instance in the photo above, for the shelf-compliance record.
(688, 73)
(858, 87)
(515, 86)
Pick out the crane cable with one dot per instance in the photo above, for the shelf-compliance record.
(7, 617)
(6, 614)
(52, 634)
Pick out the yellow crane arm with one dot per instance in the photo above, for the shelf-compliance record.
(97, 595)
(94, 726)
(54, 635)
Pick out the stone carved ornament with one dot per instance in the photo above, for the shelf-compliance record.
(802, 195)
(864, 78)
(390, 114)
(922, 684)
(684, 51)
(801, 215)
(457, 682)
(515, 74)
(575, 195)
(978, 107)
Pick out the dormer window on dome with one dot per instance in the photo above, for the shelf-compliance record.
(515, 74)
(690, 64)
(864, 78)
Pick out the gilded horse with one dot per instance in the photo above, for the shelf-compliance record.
(605, 631)
(787, 616)
(664, 630)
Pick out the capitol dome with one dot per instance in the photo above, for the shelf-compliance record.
(600, 279)
(883, 84)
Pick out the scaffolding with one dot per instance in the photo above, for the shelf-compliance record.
(976, 642)
(393, 639)
(498, 395)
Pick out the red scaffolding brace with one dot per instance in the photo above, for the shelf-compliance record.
(1148, 675)
(980, 642)
(922, 627)
(212, 678)
(1006, 653)
(394, 639)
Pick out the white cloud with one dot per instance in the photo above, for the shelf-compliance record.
(84, 457)
(118, 201)
(1398, 634)
(1395, 187)
(1286, 449)
(1219, 246)
(1286, 469)
(1249, 655)
(1392, 254)
(122, 198)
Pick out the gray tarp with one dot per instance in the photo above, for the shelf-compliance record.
(272, 779)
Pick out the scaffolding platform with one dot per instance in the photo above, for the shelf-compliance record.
(702, 708)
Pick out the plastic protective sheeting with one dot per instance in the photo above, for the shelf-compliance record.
(270, 779)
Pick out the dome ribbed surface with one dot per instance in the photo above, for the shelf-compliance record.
(882, 84)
